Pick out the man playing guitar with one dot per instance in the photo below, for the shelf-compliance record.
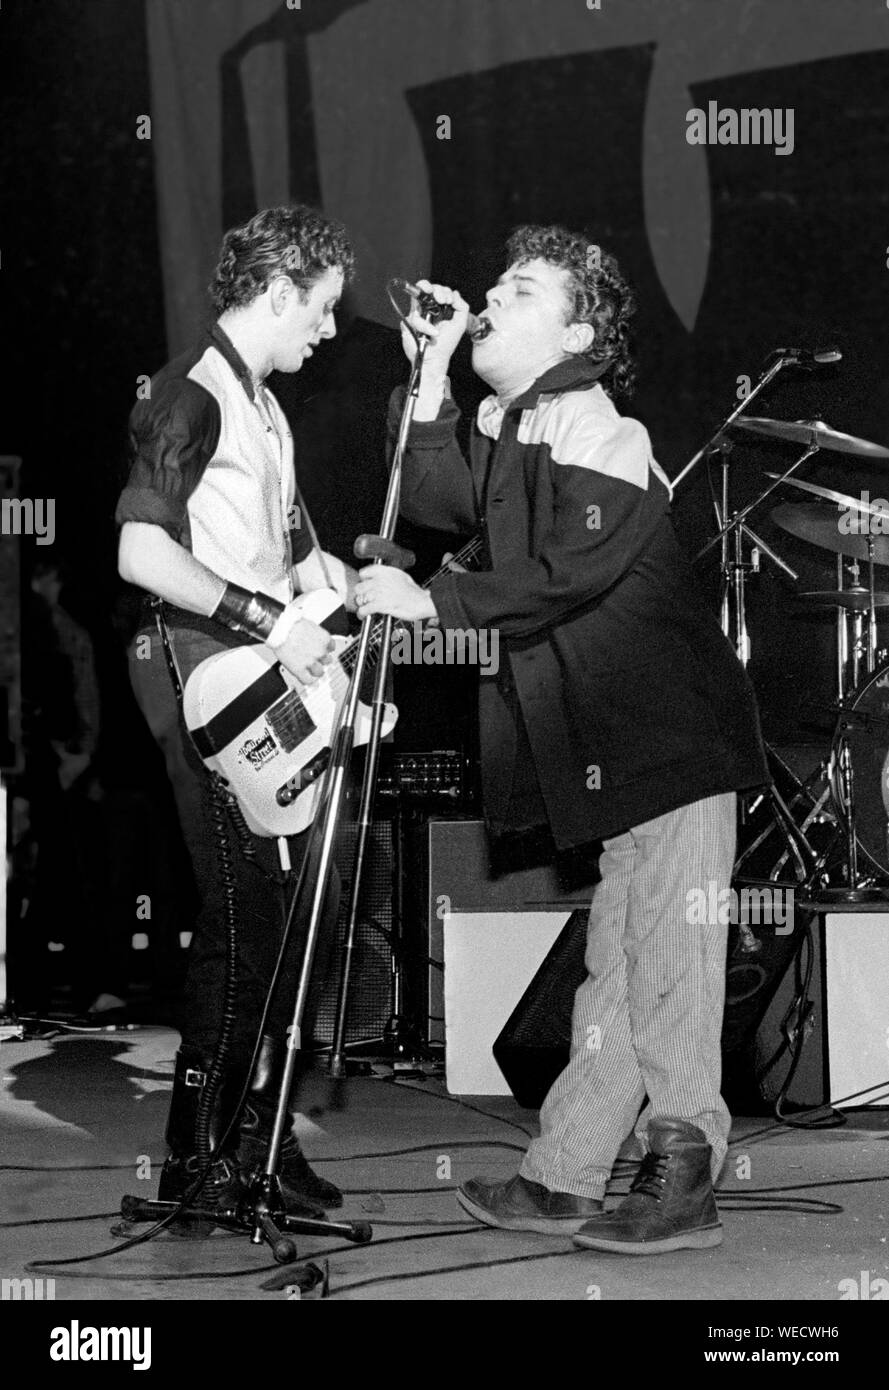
(212, 523)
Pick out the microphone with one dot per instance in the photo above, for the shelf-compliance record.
(477, 327)
(807, 357)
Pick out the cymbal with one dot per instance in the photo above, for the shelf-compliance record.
(841, 498)
(856, 600)
(820, 526)
(811, 432)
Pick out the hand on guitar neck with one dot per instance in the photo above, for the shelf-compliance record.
(306, 651)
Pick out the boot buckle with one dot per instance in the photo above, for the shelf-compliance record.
(193, 1077)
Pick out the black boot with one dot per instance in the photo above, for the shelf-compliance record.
(304, 1193)
(223, 1186)
(670, 1204)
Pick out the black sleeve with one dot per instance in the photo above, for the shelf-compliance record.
(173, 436)
(301, 545)
(436, 484)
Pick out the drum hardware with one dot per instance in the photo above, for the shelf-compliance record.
(853, 600)
(859, 779)
(858, 769)
(856, 603)
(713, 442)
(843, 499)
(788, 834)
(734, 570)
(819, 525)
(857, 889)
(835, 806)
(815, 434)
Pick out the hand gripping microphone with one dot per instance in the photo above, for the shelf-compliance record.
(477, 327)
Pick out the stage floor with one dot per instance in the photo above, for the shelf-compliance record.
(83, 1116)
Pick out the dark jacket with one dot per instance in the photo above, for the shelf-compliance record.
(633, 700)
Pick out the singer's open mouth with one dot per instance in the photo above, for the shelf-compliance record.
(484, 329)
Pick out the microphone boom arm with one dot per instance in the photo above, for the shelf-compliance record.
(764, 380)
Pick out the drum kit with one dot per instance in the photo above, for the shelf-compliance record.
(832, 831)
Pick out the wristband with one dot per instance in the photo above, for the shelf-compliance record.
(254, 614)
(285, 623)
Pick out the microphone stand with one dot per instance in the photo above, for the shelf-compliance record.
(265, 1196)
(768, 375)
(379, 549)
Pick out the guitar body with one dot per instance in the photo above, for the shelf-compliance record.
(268, 736)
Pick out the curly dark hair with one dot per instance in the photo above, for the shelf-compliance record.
(296, 241)
(598, 294)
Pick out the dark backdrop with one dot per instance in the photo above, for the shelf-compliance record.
(798, 256)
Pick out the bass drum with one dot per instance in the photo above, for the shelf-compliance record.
(866, 724)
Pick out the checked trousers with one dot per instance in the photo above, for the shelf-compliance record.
(647, 1021)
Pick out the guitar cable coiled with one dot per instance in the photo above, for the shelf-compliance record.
(220, 807)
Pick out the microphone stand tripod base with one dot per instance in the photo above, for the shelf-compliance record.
(260, 1213)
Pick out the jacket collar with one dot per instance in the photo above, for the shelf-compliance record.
(224, 345)
(572, 374)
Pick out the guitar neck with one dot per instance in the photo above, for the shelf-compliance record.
(470, 557)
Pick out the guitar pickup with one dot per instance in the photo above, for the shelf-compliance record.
(287, 794)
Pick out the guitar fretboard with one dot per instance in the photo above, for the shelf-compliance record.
(293, 721)
(469, 557)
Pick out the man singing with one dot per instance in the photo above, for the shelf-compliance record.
(621, 714)
(212, 524)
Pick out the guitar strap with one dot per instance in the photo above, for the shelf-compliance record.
(313, 534)
(169, 651)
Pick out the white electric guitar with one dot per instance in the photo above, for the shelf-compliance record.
(270, 737)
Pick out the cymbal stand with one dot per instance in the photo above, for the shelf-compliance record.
(856, 653)
(730, 537)
(857, 890)
(731, 534)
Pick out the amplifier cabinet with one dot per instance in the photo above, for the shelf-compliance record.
(488, 934)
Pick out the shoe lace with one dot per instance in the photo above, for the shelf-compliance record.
(652, 1175)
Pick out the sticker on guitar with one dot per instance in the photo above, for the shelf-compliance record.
(257, 751)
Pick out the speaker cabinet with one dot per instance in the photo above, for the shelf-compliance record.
(488, 934)
(856, 968)
(536, 1041)
(843, 1017)
(370, 993)
(764, 974)
(844, 1059)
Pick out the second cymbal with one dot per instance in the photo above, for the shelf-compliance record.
(820, 526)
(843, 499)
(856, 600)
